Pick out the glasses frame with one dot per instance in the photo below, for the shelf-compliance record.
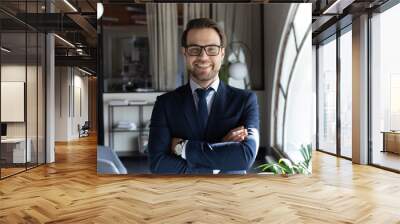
(203, 48)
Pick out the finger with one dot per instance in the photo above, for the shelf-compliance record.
(234, 137)
(235, 134)
(237, 129)
(238, 138)
(243, 137)
(238, 132)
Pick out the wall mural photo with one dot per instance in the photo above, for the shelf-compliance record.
(206, 89)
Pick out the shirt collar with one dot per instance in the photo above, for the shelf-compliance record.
(194, 85)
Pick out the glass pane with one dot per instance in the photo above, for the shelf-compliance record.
(32, 84)
(300, 104)
(31, 97)
(288, 59)
(346, 94)
(386, 89)
(302, 21)
(13, 86)
(41, 99)
(327, 97)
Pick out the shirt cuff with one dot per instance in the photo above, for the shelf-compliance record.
(183, 155)
(216, 171)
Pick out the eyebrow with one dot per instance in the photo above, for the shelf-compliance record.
(189, 45)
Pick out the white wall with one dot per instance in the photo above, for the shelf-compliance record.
(16, 72)
(70, 83)
(80, 83)
(61, 103)
(33, 106)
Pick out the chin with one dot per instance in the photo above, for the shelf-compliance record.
(203, 77)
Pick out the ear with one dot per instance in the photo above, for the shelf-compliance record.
(223, 52)
(183, 50)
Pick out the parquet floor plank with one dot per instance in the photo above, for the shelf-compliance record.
(70, 191)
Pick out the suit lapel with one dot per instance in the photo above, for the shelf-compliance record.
(218, 107)
(190, 111)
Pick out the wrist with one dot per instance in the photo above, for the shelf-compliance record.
(179, 147)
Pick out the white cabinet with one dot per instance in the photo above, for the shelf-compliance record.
(17, 147)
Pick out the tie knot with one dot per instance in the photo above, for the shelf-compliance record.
(202, 93)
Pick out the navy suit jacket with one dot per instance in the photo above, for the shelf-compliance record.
(174, 115)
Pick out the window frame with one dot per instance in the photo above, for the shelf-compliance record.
(334, 37)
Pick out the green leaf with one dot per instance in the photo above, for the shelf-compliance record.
(265, 167)
(286, 165)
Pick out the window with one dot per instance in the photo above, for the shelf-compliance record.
(327, 96)
(346, 94)
(385, 88)
(300, 105)
(296, 92)
(22, 72)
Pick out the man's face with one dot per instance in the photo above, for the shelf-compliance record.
(203, 68)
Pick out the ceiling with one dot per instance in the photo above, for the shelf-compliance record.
(73, 20)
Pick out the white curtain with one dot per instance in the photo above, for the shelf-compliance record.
(195, 10)
(162, 24)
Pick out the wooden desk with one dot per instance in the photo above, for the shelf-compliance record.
(391, 141)
(13, 150)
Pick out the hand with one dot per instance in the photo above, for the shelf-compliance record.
(174, 142)
(236, 135)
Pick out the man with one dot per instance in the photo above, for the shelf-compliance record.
(204, 126)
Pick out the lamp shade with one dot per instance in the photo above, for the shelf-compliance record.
(238, 71)
(100, 10)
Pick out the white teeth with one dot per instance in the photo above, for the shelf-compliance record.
(203, 66)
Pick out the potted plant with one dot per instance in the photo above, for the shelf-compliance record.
(287, 167)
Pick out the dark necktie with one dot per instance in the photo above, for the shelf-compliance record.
(202, 110)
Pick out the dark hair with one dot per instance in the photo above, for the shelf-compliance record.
(203, 23)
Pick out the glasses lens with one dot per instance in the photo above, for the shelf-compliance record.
(194, 50)
(212, 50)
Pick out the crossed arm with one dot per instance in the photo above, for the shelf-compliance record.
(236, 151)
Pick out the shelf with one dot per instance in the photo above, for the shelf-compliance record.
(141, 132)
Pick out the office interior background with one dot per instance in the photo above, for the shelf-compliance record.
(48, 82)
(51, 83)
(31, 58)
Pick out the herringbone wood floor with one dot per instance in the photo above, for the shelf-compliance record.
(69, 191)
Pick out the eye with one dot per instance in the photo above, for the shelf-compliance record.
(194, 50)
(213, 50)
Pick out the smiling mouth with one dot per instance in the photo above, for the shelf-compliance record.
(202, 66)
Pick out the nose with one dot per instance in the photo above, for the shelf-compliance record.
(203, 54)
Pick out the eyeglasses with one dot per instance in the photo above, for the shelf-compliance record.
(195, 50)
